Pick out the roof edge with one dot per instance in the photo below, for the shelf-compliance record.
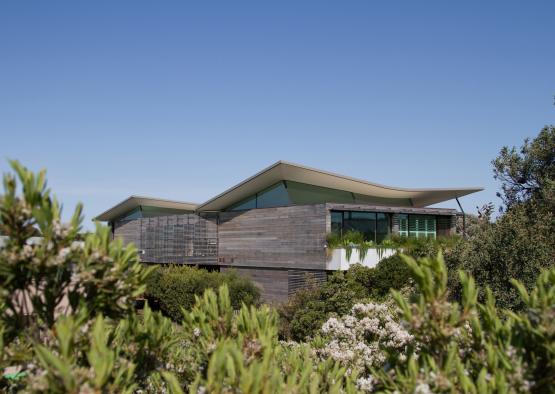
(134, 201)
(464, 190)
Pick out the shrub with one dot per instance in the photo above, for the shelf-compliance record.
(175, 287)
(521, 242)
(304, 312)
(64, 301)
(390, 273)
(435, 345)
(518, 245)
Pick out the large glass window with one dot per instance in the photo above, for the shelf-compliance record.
(363, 222)
(286, 193)
(134, 214)
(417, 226)
(274, 196)
(374, 226)
(301, 193)
(248, 203)
(336, 222)
(382, 227)
(390, 202)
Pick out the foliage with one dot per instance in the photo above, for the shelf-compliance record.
(175, 287)
(58, 274)
(419, 247)
(519, 244)
(99, 343)
(304, 313)
(390, 273)
(67, 306)
(425, 343)
(240, 352)
(134, 353)
(528, 173)
(350, 240)
(434, 345)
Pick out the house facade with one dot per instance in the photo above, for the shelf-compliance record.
(273, 226)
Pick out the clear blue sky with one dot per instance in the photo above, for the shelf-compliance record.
(182, 100)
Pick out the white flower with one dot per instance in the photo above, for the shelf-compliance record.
(365, 384)
(422, 388)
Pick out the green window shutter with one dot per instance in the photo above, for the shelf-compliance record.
(422, 226)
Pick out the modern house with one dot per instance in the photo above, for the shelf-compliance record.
(273, 225)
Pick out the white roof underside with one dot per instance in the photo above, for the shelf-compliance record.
(282, 170)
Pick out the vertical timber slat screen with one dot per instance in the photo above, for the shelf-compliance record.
(179, 239)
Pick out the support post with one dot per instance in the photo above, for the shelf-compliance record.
(464, 216)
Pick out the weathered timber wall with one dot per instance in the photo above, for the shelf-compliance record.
(128, 231)
(271, 282)
(285, 237)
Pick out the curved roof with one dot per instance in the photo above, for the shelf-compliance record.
(135, 201)
(283, 170)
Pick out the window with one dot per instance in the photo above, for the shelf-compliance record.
(133, 214)
(302, 193)
(336, 222)
(422, 226)
(248, 203)
(382, 227)
(363, 222)
(274, 196)
(287, 193)
(403, 225)
(417, 226)
(374, 226)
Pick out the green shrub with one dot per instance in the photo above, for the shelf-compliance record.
(431, 344)
(517, 246)
(175, 287)
(304, 312)
(521, 242)
(390, 273)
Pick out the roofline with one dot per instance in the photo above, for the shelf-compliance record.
(155, 202)
(465, 190)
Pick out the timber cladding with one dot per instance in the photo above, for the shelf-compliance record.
(129, 231)
(276, 285)
(173, 239)
(285, 237)
(273, 283)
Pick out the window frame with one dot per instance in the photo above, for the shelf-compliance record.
(343, 213)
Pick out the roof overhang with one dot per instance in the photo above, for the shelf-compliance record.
(135, 201)
(285, 171)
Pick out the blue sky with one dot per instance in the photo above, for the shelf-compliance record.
(182, 100)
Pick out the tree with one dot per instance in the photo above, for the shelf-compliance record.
(528, 173)
(521, 241)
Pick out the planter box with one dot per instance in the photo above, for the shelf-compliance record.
(337, 260)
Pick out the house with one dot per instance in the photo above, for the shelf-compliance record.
(273, 225)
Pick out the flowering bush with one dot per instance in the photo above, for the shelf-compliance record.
(368, 338)
(435, 345)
